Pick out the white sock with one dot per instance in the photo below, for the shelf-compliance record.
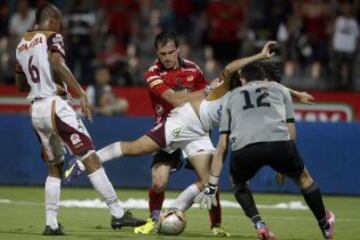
(109, 152)
(186, 198)
(52, 199)
(102, 184)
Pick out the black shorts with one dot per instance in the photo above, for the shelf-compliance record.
(282, 156)
(173, 159)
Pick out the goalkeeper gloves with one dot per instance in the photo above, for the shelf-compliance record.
(207, 198)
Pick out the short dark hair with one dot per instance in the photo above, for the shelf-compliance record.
(252, 72)
(272, 71)
(235, 81)
(165, 37)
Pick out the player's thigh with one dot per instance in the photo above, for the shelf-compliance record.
(163, 165)
(245, 163)
(198, 146)
(286, 158)
(69, 126)
(202, 164)
(142, 145)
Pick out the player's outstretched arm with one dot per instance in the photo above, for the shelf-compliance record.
(207, 198)
(265, 53)
(180, 97)
(303, 97)
(61, 69)
(236, 65)
(220, 154)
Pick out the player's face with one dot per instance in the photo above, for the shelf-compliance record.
(168, 55)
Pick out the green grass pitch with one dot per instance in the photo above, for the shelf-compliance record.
(24, 217)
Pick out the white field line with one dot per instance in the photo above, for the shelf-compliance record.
(143, 204)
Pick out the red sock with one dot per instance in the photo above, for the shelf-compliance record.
(155, 201)
(215, 212)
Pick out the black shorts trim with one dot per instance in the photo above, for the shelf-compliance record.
(290, 120)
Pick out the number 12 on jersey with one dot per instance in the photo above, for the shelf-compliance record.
(262, 93)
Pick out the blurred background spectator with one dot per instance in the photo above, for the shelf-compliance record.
(345, 46)
(80, 35)
(318, 39)
(101, 97)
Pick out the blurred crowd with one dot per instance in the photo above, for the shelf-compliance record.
(318, 39)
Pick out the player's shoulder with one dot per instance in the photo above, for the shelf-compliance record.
(153, 69)
(189, 64)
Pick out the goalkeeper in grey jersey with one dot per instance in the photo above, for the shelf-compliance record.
(258, 121)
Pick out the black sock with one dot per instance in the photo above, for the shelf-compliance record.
(314, 200)
(246, 201)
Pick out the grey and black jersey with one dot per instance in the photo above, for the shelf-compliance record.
(257, 112)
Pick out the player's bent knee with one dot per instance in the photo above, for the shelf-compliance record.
(159, 187)
(87, 155)
(303, 180)
(55, 170)
(58, 160)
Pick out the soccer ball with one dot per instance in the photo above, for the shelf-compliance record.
(171, 221)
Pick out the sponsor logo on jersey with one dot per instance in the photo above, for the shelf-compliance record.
(176, 131)
(190, 78)
(33, 43)
(75, 139)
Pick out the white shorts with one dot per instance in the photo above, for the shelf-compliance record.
(182, 130)
(57, 125)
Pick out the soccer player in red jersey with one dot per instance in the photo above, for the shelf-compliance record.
(172, 81)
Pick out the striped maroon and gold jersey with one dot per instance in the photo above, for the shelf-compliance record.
(32, 60)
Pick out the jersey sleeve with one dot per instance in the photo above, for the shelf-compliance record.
(289, 106)
(201, 81)
(155, 83)
(55, 43)
(225, 122)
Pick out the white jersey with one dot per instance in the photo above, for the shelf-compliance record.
(32, 55)
(210, 112)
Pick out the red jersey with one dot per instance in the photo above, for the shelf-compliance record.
(187, 76)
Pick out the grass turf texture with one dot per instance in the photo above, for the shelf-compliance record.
(26, 221)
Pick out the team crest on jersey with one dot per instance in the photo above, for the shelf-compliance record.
(190, 78)
(176, 131)
(75, 139)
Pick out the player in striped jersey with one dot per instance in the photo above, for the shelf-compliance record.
(42, 71)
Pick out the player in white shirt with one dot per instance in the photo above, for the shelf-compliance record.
(42, 71)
